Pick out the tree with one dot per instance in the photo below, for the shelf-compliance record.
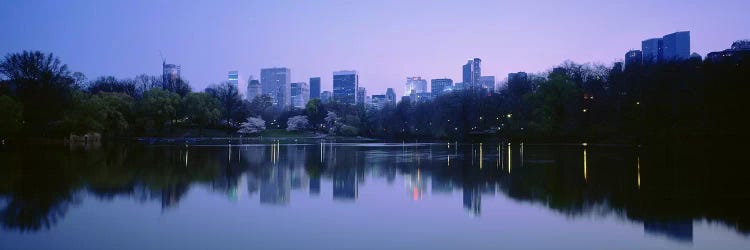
(113, 85)
(87, 115)
(253, 125)
(297, 123)
(11, 117)
(156, 109)
(332, 122)
(42, 84)
(229, 98)
(262, 106)
(315, 111)
(201, 109)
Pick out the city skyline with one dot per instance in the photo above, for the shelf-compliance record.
(105, 39)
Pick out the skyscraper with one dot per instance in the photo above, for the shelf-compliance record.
(234, 77)
(440, 86)
(671, 47)
(487, 82)
(378, 101)
(472, 73)
(633, 57)
(345, 84)
(676, 46)
(276, 82)
(390, 96)
(325, 96)
(299, 93)
(652, 50)
(361, 95)
(476, 71)
(416, 85)
(314, 87)
(253, 89)
(170, 75)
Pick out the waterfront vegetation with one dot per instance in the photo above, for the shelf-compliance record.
(41, 98)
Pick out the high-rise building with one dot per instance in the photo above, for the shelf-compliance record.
(676, 46)
(253, 89)
(378, 101)
(345, 84)
(361, 95)
(472, 73)
(440, 86)
(314, 87)
(633, 57)
(299, 93)
(276, 82)
(325, 96)
(466, 70)
(651, 50)
(671, 47)
(234, 78)
(415, 84)
(390, 96)
(170, 75)
(487, 82)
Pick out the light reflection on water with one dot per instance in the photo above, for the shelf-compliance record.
(319, 179)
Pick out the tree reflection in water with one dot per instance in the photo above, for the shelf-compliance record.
(665, 187)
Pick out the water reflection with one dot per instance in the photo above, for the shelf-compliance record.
(37, 190)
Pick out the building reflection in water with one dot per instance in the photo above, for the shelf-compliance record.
(550, 178)
(679, 230)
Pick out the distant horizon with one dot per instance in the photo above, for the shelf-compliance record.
(384, 42)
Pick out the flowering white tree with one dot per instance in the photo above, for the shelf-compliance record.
(332, 121)
(297, 123)
(253, 125)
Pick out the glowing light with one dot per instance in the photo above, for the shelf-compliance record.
(509, 164)
(585, 173)
(638, 162)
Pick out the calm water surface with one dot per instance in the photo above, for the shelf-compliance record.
(326, 195)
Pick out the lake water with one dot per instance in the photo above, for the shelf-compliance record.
(402, 195)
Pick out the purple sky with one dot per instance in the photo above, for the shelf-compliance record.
(384, 40)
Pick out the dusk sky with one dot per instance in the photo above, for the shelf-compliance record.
(385, 41)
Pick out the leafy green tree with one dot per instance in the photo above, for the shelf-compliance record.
(229, 99)
(42, 84)
(156, 109)
(201, 109)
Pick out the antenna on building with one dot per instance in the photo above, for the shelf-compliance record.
(163, 61)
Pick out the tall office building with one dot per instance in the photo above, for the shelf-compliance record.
(378, 101)
(415, 85)
(325, 96)
(234, 78)
(314, 87)
(390, 96)
(651, 50)
(440, 86)
(633, 57)
(253, 89)
(345, 84)
(170, 75)
(300, 94)
(487, 82)
(676, 46)
(276, 82)
(472, 73)
(361, 95)
(671, 47)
